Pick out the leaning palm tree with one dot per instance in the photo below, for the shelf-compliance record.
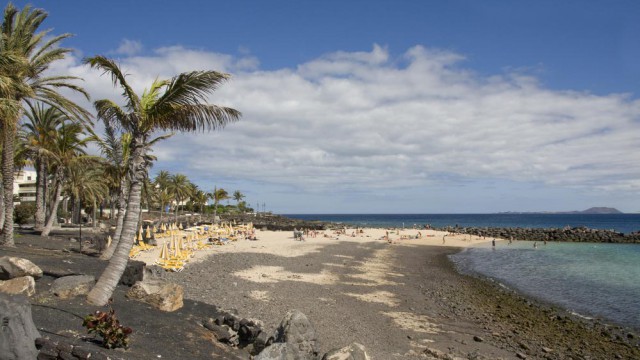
(25, 56)
(178, 104)
(39, 132)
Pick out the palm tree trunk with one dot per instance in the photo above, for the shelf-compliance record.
(103, 290)
(122, 209)
(54, 206)
(95, 214)
(1, 210)
(41, 181)
(9, 131)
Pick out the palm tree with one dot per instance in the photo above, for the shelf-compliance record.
(180, 187)
(116, 151)
(238, 196)
(218, 195)
(39, 132)
(86, 184)
(199, 198)
(163, 197)
(26, 55)
(162, 179)
(67, 152)
(178, 104)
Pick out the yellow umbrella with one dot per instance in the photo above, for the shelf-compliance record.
(177, 251)
(180, 226)
(139, 238)
(164, 253)
(148, 233)
(154, 229)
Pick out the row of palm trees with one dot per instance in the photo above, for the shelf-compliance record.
(171, 105)
(173, 191)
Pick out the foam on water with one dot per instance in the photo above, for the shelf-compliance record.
(598, 280)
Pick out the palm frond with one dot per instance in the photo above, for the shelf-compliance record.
(118, 78)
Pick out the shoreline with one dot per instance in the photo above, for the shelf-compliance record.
(401, 301)
(257, 275)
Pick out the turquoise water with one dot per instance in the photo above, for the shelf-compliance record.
(593, 280)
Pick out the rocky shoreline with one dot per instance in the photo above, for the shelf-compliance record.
(568, 234)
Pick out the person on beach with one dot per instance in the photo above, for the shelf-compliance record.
(535, 244)
(444, 238)
(493, 243)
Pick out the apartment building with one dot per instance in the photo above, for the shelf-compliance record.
(24, 185)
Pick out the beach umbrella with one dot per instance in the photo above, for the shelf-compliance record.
(148, 232)
(180, 226)
(164, 253)
(153, 229)
(176, 250)
(139, 238)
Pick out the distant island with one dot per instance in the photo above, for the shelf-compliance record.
(593, 210)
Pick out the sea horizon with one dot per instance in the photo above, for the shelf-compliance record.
(624, 223)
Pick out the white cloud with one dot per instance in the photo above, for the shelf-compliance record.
(129, 47)
(366, 121)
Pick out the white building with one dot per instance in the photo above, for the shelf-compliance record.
(24, 185)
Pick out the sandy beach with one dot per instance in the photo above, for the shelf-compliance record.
(401, 298)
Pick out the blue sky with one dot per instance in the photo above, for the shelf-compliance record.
(391, 106)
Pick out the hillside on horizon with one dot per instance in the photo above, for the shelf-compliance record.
(591, 210)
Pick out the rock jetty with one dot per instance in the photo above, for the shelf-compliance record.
(568, 234)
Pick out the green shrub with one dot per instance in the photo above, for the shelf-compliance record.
(24, 212)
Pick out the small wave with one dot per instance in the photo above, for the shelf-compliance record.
(580, 315)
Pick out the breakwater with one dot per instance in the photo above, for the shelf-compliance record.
(567, 234)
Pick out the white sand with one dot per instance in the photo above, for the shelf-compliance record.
(281, 243)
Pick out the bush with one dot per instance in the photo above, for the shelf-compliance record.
(108, 327)
(24, 212)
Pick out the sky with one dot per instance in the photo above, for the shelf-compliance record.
(388, 106)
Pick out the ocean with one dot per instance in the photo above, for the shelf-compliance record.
(591, 280)
(624, 223)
